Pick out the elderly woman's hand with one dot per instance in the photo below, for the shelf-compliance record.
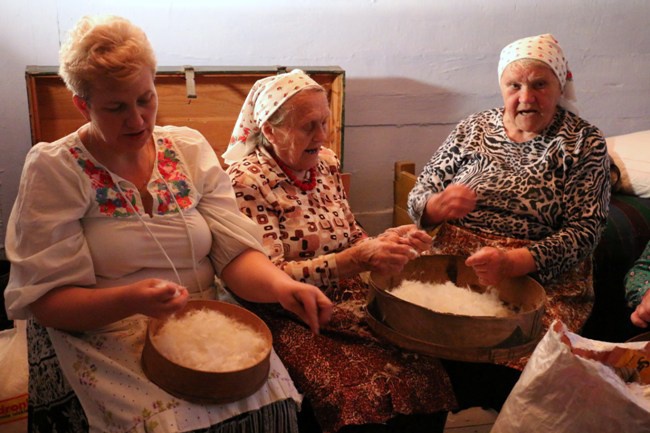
(641, 315)
(409, 234)
(387, 254)
(492, 265)
(453, 202)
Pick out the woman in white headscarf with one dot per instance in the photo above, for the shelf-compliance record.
(287, 181)
(523, 189)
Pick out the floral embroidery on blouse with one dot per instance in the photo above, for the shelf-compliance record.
(112, 201)
(168, 166)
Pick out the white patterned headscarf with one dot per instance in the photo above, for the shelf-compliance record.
(544, 48)
(264, 99)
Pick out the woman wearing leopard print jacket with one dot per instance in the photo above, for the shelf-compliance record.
(523, 189)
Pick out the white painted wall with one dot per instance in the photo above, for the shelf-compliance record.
(414, 67)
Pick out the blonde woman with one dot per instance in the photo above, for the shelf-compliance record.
(123, 220)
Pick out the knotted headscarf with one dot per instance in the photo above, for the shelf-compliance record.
(544, 48)
(264, 99)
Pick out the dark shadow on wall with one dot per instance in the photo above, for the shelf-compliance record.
(404, 101)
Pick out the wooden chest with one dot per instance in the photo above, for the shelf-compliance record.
(204, 98)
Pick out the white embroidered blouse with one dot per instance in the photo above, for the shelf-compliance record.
(76, 223)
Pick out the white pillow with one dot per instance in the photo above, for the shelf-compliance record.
(631, 153)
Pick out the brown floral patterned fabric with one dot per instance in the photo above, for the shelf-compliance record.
(348, 375)
(570, 297)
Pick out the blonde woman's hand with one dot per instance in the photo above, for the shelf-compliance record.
(74, 308)
(158, 298)
(307, 302)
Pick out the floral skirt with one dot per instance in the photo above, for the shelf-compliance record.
(347, 374)
(54, 407)
(570, 297)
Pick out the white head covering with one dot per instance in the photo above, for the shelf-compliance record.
(544, 48)
(264, 99)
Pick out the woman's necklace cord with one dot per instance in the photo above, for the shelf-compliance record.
(303, 185)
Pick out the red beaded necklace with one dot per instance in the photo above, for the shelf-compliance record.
(303, 185)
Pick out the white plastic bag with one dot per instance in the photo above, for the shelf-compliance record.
(564, 389)
(13, 379)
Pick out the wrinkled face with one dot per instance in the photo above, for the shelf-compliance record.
(530, 92)
(122, 114)
(297, 141)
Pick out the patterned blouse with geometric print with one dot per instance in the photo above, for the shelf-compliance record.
(301, 229)
(349, 376)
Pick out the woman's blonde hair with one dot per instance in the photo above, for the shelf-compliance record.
(100, 47)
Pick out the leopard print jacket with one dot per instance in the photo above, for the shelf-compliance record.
(553, 190)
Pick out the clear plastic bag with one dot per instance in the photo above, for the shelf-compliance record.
(573, 385)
